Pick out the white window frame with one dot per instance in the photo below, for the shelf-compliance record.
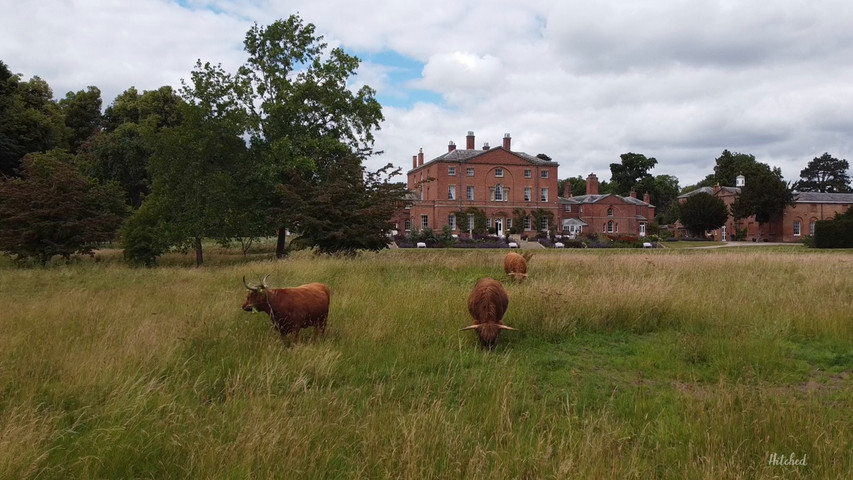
(471, 221)
(408, 224)
(470, 172)
(451, 171)
(528, 174)
(544, 195)
(797, 228)
(527, 223)
(543, 174)
(451, 192)
(469, 192)
(811, 227)
(568, 207)
(528, 194)
(451, 220)
(543, 224)
(499, 172)
(424, 221)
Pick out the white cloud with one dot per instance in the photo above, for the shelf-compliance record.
(580, 81)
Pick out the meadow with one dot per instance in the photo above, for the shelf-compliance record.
(686, 364)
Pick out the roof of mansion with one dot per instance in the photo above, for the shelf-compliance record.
(465, 155)
(820, 197)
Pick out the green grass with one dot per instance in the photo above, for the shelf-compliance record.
(694, 364)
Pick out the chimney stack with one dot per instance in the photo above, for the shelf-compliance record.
(507, 141)
(414, 162)
(646, 198)
(469, 140)
(421, 157)
(567, 189)
(633, 193)
(486, 146)
(451, 146)
(592, 184)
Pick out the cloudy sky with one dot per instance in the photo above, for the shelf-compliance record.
(583, 82)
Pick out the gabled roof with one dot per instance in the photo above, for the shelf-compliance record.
(818, 197)
(574, 221)
(463, 156)
(710, 191)
(582, 199)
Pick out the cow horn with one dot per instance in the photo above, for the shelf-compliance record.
(469, 327)
(264, 282)
(254, 289)
(501, 325)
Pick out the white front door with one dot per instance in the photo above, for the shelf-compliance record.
(499, 226)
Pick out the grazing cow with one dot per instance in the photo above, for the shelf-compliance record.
(515, 265)
(487, 304)
(290, 309)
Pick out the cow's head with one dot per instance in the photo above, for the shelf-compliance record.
(488, 333)
(257, 296)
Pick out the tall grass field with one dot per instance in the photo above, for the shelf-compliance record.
(689, 364)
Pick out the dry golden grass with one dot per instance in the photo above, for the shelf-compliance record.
(628, 364)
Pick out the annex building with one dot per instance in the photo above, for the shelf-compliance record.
(798, 220)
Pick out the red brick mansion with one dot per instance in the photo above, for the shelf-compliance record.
(498, 182)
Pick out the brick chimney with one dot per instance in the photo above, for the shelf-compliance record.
(414, 161)
(507, 141)
(646, 198)
(633, 193)
(451, 146)
(592, 184)
(716, 187)
(567, 189)
(421, 157)
(486, 146)
(469, 140)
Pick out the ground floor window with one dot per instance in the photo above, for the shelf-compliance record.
(527, 223)
(642, 229)
(408, 225)
(424, 222)
(451, 220)
(811, 227)
(796, 228)
(543, 223)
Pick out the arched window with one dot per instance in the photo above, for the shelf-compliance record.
(610, 226)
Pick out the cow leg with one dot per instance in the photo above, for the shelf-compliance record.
(296, 336)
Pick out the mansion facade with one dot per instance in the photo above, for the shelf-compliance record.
(498, 182)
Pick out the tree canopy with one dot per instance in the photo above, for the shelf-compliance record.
(825, 174)
(702, 212)
(52, 209)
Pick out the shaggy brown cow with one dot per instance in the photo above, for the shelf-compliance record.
(487, 304)
(290, 309)
(515, 265)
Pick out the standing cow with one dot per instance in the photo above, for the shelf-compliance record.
(487, 304)
(515, 265)
(290, 309)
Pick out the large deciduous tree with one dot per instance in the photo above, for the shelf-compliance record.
(825, 174)
(82, 111)
(702, 212)
(633, 169)
(764, 195)
(30, 119)
(300, 103)
(52, 209)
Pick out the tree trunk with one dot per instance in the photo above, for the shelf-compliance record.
(199, 257)
(281, 244)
